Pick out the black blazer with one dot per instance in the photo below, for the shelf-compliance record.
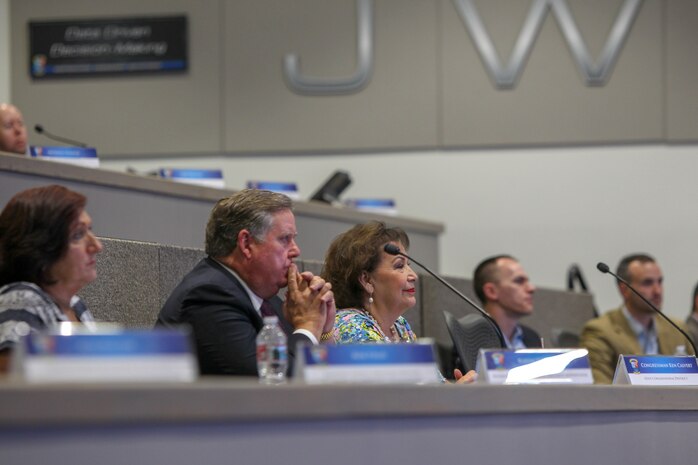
(224, 323)
(530, 338)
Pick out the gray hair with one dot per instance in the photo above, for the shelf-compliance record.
(249, 209)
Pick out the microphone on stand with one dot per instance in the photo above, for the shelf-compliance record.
(392, 249)
(40, 130)
(602, 267)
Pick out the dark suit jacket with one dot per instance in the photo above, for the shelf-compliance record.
(530, 338)
(224, 323)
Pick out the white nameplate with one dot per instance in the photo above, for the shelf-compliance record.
(60, 355)
(289, 189)
(380, 206)
(534, 366)
(369, 363)
(199, 177)
(656, 370)
(80, 156)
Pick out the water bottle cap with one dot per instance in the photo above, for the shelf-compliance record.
(271, 319)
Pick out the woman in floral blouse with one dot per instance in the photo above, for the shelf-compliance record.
(372, 288)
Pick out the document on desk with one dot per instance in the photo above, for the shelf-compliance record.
(369, 363)
(534, 366)
(656, 370)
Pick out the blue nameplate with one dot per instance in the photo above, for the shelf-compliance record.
(534, 366)
(656, 370)
(199, 177)
(369, 363)
(81, 156)
(382, 206)
(289, 189)
(67, 353)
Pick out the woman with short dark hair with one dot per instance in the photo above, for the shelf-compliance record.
(47, 254)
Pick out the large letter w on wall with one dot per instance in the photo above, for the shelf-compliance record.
(505, 77)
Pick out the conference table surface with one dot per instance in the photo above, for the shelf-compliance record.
(236, 420)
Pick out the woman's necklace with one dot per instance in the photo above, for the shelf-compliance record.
(394, 336)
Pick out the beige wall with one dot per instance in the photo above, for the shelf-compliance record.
(429, 87)
(177, 113)
(551, 103)
(5, 46)
(397, 109)
(682, 69)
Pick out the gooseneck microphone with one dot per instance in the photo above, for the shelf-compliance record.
(392, 249)
(40, 130)
(602, 267)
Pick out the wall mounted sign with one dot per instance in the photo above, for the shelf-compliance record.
(107, 46)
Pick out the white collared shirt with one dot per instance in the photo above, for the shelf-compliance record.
(646, 337)
(517, 341)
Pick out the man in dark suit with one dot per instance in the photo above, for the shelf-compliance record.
(250, 243)
(506, 293)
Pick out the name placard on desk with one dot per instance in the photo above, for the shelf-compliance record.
(67, 353)
(656, 370)
(196, 176)
(369, 363)
(289, 189)
(534, 366)
(81, 156)
(380, 206)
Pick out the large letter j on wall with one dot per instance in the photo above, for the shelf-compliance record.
(312, 85)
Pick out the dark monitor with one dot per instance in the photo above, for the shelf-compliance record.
(330, 191)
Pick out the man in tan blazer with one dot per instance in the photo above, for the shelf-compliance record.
(634, 328)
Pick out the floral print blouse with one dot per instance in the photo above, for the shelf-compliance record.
(353, 325)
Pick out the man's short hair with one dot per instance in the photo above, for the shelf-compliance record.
(624, 264)
(695, 294)
(249, 209)
(486, 272)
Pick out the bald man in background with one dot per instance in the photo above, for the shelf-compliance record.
(13, 133)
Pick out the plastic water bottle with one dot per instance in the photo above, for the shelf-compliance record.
(272, 357)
